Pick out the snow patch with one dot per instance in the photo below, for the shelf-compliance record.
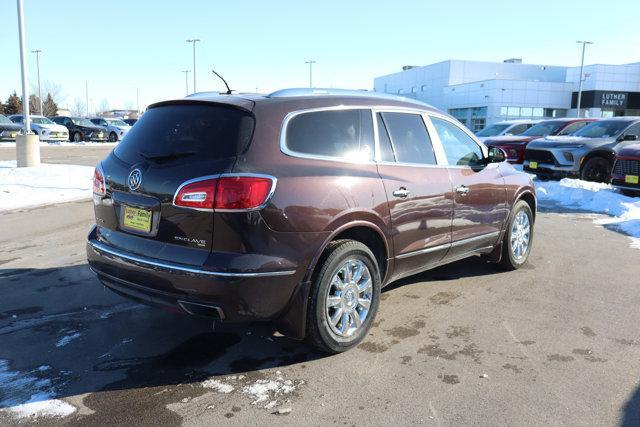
(218, 385)
(67, 339)
(263, 390)
(594, 197)
(22, 188)
(26, 395)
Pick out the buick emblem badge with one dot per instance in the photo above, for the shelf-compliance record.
(134, 180)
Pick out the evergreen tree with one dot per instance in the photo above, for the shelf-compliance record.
(13, 105)
(49, 106)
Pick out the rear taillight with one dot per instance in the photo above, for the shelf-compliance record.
(99, 186)
(228, 193)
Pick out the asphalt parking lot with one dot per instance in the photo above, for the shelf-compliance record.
(553, 343)
(85, 155)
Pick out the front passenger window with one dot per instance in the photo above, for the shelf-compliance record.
(460, 149)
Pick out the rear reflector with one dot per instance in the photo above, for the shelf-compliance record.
(99, 186)
(226, 193)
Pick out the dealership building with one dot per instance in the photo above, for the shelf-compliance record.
(480, 93)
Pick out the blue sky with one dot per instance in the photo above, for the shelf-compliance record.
(119, 46)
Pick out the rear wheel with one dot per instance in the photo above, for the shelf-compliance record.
(113, 137)
(596, 169)
(77, 137)
(516, 244)
(344, 297)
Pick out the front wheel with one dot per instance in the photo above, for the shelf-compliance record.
(77, 137)
(516, 244)
(113, 137)
(344, 297)
(596, 169)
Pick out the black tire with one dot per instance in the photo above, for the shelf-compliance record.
(596, 169)
(631, 193)
(508, 260)
(76, 137)
(113, 137)
(319, 333)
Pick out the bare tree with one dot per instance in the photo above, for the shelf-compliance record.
(78, 108)
(103, 106)
(49, 87)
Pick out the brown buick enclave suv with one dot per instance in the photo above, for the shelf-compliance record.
(299, 206)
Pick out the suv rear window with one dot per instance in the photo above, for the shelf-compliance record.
(208, 131)
(336, 133)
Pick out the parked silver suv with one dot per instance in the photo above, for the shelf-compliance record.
(587, 154)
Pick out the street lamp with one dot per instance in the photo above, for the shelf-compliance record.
(584, 44)
(37, 52)
(310, 62)
(27, 144)
(186, 80)
(194, 41)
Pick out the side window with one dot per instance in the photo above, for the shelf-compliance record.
(633, 130)
(386, 150)
(346, 134)
(68, 122)
(518, 129)
(460, 149)
(409, 137)
(573, 127)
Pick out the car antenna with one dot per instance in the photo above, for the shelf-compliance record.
(223, 80)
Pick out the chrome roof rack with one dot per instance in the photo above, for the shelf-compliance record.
(285, 93)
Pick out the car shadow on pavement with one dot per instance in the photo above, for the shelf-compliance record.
(64, 335)
(631, 410)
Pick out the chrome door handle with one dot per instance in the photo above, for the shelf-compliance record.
(463, 190)
(401, 192)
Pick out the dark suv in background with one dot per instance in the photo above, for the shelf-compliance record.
(514, 145)
(299, 206)
(81, 129)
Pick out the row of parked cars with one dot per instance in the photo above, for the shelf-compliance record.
(601, 150)
(64, 128)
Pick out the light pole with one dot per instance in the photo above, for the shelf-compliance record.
(310, 62)
(86, 94)
(186, 80)
(27, 144)
(584, 45)
(37, 52)
(194, 41)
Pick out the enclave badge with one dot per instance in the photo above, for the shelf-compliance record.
(134, 180)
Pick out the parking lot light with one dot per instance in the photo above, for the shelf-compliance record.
(584, 44)
(38, 52)
(194, 41)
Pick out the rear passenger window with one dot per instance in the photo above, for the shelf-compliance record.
(573, 127)
(409, 137)
(346, 134)
(459, 148)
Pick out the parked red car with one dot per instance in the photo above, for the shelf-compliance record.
(626, 170)
(514, 145)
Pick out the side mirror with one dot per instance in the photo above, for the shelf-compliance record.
(629, 137)
(496, 155)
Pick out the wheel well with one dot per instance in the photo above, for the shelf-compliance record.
(531, 201)
(372, 239)
(609, 155)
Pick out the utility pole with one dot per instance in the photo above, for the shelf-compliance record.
(86, 94)
(138, 100)
(310, 62)
(186, 80)
(194, 41)
(37, 52)
(584, 44)
(27, 144)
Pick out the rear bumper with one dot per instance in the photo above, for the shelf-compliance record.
(256, 295)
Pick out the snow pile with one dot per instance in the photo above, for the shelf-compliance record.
(262, 390)
(25, 395)
(45, 184)
(575, 194)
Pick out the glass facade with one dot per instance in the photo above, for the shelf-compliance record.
(475, 118)
(511, 113)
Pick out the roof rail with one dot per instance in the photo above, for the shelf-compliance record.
(284, 93)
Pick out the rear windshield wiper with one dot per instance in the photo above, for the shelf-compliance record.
(167, 156)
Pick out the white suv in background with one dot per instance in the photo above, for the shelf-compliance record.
(45, 128)
(116, 129)
(505, 128)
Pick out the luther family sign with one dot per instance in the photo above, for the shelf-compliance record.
(613, 99)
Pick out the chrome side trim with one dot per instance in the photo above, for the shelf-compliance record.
(126, 257)
(492, 235)
(424, 251)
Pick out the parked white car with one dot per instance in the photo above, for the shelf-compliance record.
(116, 129)
(45, 128)
(505, 128)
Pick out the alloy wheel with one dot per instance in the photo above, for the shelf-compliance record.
(520, 235)
(349, 298)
